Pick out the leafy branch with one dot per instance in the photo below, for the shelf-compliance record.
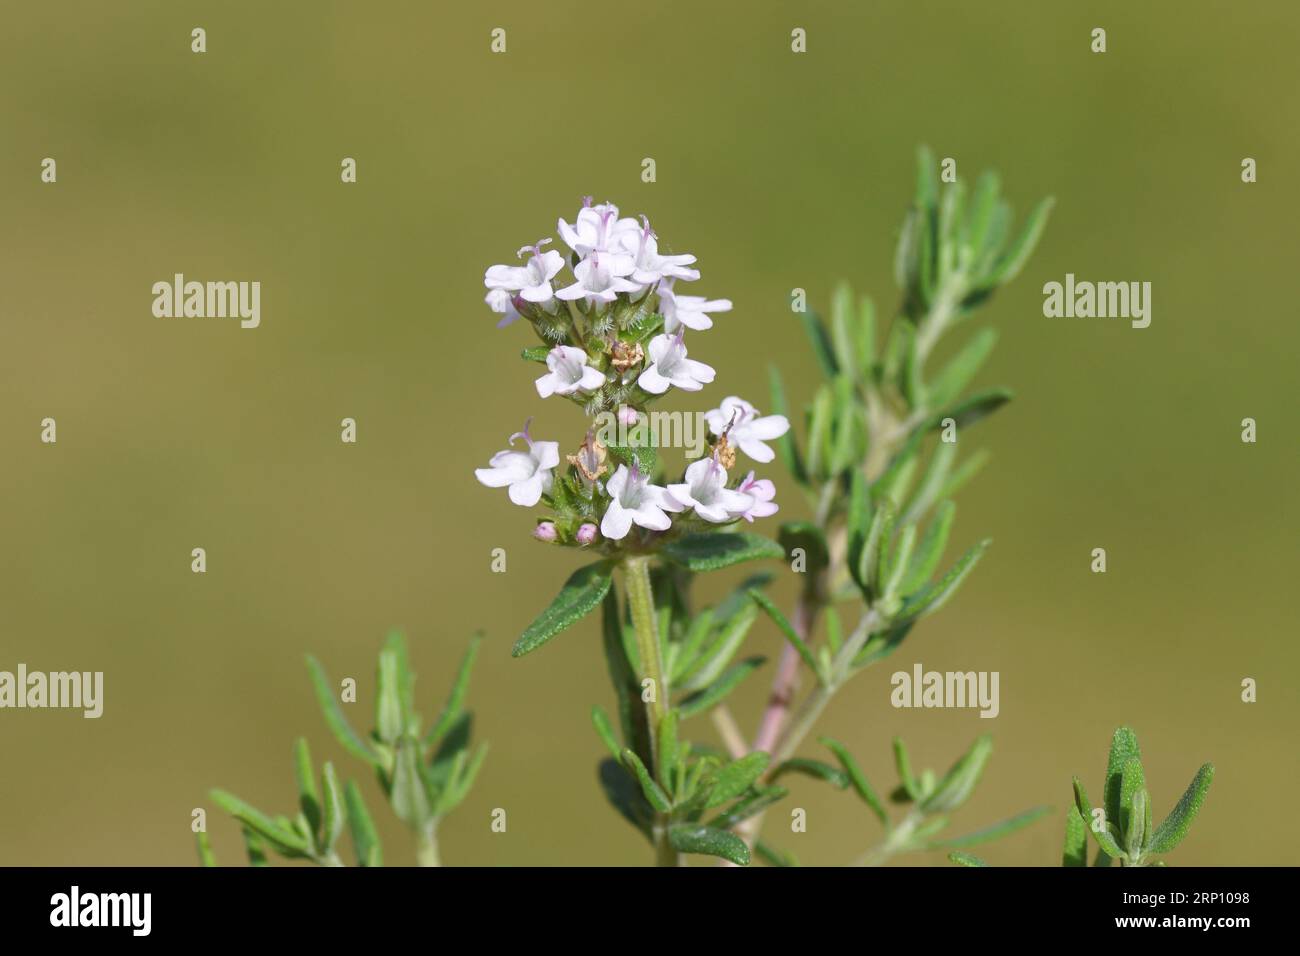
(423, 775)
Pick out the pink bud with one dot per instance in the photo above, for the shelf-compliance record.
(545, 531)
(627, 415)
(587, 533)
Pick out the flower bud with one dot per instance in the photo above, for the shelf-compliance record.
(545, 531)
(587, 533)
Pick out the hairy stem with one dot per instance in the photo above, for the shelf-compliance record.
(641, 601)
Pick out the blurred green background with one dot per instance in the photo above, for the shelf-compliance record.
(778, 171)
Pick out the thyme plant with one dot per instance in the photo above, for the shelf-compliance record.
(878, 464)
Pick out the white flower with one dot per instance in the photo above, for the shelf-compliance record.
(635, 501)
(745, 429)
(527, 473)
(650, 266)
(499, 300)
(706, 491)
(762, 491)
(670, 366)
(597, 282)
(569, 372)
(598, 229)
(532, 281)
(687, 310)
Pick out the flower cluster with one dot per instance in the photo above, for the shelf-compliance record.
(615, 331)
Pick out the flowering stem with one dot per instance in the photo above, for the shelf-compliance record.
(641, 601)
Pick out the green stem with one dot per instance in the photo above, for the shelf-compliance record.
(426, 847)
(641, 601)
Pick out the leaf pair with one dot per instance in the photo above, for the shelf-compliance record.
(1122, 825)
(323, 813)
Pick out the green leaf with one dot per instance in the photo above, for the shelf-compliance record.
(255, 847)
(857, 778)
(820, 341)
(204, 847)
(711, 662)
(335, 813)
(334, 719)
(709, 551)
(407, 792)
(813, 768)
(1139, 816)
(455, 706)
(788, 630)
(1076, 839)
(1103, 837)
(932, 481)
(904, 765)
(1171, 832)
(716, 692)
(994, 831)
(757, 801)
(959, 782)
(736, 777)
(965, 859)
(365, 838)
(389, 719)
(962, 368)
(843, 328)
(858, 521)
(396, 644)
(1131, 818)
(819, 432)
(285, 840)
(980, 213)
(1017, 254)
(652, 791)
(685, 654)
(666, 765)
(585, 589)
(695, 838)
(308, 798)
(937, 595)
(605, 730)
(625, 796)
(786, 446)
(928, 553)
(980, 405)
(1123, 747)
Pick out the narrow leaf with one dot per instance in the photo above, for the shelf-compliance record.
(327, 697)
(708, 551)
(1171, 832)
(994, 831)
(585, 589)
(693, 838)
